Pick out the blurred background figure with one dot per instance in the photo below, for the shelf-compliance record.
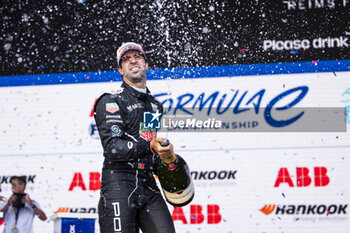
(19, 210)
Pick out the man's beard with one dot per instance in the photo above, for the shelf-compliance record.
(137, 79)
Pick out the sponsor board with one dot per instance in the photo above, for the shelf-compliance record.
(317, 43)
(303, 178)
(231, 186)
(308, 212)
(235, 174)
(315, 4)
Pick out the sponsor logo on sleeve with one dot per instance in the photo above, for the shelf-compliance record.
(114, 121)
(113, 116)
(116, 131)
(112, 107)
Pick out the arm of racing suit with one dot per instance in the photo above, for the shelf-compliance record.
(117, 145)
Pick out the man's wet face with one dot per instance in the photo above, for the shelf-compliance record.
(133, 66)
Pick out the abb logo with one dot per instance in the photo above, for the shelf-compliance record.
(197, 215)
(94, 181)
(303, 178)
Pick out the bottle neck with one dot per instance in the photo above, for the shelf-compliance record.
(170, 159)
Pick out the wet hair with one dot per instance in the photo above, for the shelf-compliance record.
(20, 179)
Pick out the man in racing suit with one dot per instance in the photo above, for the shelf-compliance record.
(130, 199)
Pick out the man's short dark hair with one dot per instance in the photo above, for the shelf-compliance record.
(20, 179)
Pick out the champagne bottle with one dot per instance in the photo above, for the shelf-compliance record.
(176, 181)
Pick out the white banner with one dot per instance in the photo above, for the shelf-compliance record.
(245, 182)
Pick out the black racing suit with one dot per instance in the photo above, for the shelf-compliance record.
(130, 198)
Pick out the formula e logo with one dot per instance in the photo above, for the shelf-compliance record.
(151, 120)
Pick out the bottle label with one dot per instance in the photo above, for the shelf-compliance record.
(182, 197)
(171, 166)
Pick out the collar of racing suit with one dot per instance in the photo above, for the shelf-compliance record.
(137, 94)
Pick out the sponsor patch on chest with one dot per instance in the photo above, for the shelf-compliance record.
(134, 106)
(147, 134)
